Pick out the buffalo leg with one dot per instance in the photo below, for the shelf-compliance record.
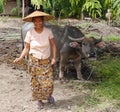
(63, 60)
(62, 67)
(77, 65)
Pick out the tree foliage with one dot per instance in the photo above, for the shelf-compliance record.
(37, 3)
(93, 7)
(1, 6)
(77, 8)
(57, 7)
(116, 7)
(16, 10)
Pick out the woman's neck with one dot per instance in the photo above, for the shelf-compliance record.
(39, 30)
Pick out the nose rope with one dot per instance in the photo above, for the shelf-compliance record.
(90, 73)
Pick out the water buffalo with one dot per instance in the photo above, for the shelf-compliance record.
(71, 44)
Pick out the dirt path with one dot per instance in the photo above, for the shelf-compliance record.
(15, 94)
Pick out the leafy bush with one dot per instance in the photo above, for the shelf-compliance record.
(93, 8)
(116, 21)
(116, 12)
(79, 8)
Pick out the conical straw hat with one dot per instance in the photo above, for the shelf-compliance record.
(37, 14)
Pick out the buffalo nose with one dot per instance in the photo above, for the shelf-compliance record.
(92, 54)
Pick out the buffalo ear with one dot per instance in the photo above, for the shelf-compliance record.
(96, 41)
(74, 44)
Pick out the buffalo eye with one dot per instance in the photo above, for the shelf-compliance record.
(80, 44)
(84, 43)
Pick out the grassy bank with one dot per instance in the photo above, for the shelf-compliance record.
(102, 94)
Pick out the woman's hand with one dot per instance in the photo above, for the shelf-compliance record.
(17, 60)
(53, 61)
(23, 54)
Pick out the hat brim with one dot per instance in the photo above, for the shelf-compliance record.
(30, 17)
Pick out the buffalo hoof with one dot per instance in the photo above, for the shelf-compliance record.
(81, 79)
(63, 80)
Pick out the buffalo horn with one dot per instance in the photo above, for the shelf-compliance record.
(77, 39)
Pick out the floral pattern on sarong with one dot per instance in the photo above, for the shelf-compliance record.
(41, 78)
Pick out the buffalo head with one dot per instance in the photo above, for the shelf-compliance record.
(85, 45)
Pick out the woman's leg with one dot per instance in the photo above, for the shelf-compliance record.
(40, 104)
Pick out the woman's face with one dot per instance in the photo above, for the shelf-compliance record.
(38, 22)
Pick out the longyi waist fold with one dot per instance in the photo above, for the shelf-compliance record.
(36, 60)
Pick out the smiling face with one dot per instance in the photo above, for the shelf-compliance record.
(38, 22)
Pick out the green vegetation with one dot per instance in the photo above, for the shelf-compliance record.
(75, 8)
(4, 19)
(92, 100)
(1, 6)
(84, 25)
(93, 7)
(80, 8)
(109, 73)
(112, 38)
(16, 10)
(104, 91)
(91, 34)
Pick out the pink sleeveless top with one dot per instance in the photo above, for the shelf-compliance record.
(39, 43)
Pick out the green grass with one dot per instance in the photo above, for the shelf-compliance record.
(102, 94)
(84, 25)
(92, 101)
(109, 90)
(112, 38)
(91, 34)
(108, 70)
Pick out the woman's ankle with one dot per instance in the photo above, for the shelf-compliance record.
(40, 101)
(51, 100)
(40, 104)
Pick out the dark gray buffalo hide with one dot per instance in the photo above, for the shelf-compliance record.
(71, 44)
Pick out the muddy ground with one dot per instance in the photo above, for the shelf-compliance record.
(15, 92)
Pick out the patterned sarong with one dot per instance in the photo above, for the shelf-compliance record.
(41, 78)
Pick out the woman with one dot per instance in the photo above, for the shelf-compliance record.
(39, 42)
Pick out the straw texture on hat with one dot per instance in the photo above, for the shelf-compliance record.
(37, 14)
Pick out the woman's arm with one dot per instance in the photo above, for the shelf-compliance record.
(23, 54)
(54, 50)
